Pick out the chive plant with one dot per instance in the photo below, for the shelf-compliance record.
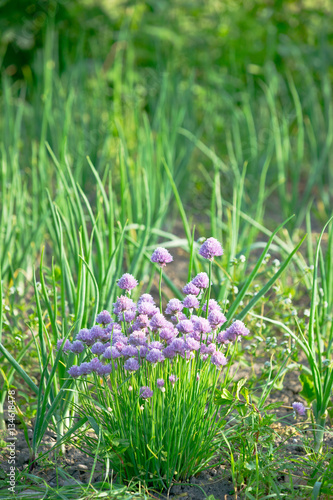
(316, 341)
(153, 380)
(150, 382)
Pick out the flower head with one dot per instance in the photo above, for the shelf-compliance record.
(237, 328)
(202, 325)
(147, 308)
(74, 371)
(131, 364)
(299, 408)
(160, 384)
(142, 321)
(146, 297)
(212, 306)
(127, 282)
(123, 304)
(98, 333)
(98, 348)
(138, 337)
(77, 347)
(191, 289)
(104, 318)
(218, 359)
(145, 392)
(154, 356)
(191, 344)
(168, 333)
(161, 256)
(128, 351)
(185, 326)
(191, 302)
(174, 306)
(173, 379)
(169, 352)
(157, 321)
(216, 318)
(201, 280)
(211, 248)
(66, 347)
(127, 316)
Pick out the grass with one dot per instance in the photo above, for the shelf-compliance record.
(139, 136)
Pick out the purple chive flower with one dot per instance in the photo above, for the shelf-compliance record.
(157, 321)
(191, 344)
(83, 335)
(123, 303)
(131, 365)
(154, 356)
(142, 321)
(177, 345)
(143, 349)
(169, 352)
(147, 308)
(66, 347)
(212, 306)
(216, 319)
(218, 359)
(202, 325)
(160, 384)
(211, 248)
(111, 353)
(85, 368)
(129, 351)
(201, 280)
(138, 337)
(95, 364)
(161, 256)
(237, 329)
(120, 345)
(208, 349)
(98, 348)
(113, 329)
(174, 306)
(105, 369)
(156, 345)
(127, 282)
(191, 289)
(173, 379)
(179, 317)
(191, 302)
(127, 316)
(97, 332)
(168, 333)
(74, 371)
(146, 297)
(223, 338)
(77, 347)
(185, 326)
(145, 392)
(104, 318)
(299, 408)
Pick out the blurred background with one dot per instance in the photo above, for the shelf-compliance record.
(233, 97)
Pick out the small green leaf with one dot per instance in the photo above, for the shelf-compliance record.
(308, 390)
(272, 406)
(223, 397)
(250, 465)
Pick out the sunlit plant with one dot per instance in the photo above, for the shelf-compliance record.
(149, 378)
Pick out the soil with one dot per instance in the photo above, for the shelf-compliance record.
(215, 481)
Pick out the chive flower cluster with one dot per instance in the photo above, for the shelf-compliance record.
(136, 335)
